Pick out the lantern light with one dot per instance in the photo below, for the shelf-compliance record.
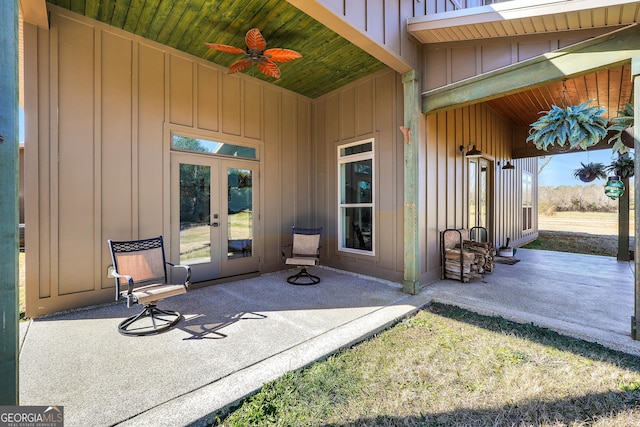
(614, 188)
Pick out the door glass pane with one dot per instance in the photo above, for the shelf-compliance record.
(240, 213)
(357, 228)
(195, 211)
(483, 197)
(473, 206)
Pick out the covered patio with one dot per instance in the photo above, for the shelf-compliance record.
(89, 61)
(236, 337)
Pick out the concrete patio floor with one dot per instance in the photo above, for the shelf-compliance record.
(584, 296)
(237, 336)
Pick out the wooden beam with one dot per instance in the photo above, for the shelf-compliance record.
(411, 142)
(326, 17)
(35, 12)
(635, 75)
(623, 223)
(9, 149)
(610, 50)
(504, 12)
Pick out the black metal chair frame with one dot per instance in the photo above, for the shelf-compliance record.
(303, 277)
(161, 320)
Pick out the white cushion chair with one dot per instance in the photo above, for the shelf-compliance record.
(304, 252)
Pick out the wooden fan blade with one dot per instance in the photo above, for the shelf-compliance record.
(225, 48)
(281, 55)
(269, 68)
(255, 40)
(239, 65)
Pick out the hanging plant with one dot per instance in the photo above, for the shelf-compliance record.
(580, 126)
(624, 166)
(623, 127)
(590, 171)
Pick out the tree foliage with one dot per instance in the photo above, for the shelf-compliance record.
(583, 198)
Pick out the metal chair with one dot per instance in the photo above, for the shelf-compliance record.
(140, 272)
(305, 252)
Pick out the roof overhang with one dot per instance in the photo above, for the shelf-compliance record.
(34, 12)
(521, 18)
(607, 51)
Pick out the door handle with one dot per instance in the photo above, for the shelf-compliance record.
(215, 224)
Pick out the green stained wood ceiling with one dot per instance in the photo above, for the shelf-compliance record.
(328, 60)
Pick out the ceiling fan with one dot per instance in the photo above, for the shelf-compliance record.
(257, 53)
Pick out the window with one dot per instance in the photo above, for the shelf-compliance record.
(356, 197)
(527, 201)
(183, 143)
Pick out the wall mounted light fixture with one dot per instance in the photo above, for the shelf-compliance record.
(508, 166)
(471, 150)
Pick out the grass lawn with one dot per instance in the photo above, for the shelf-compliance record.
(585, 243)
(450, 367)
(594, 233)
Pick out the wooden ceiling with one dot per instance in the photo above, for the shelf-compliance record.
(328, 60)
(610, 88)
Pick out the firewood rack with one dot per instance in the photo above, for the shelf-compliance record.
(471, 247)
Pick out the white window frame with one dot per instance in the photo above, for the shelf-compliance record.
(341, 206)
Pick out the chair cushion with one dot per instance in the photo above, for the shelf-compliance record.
(152, 293)
(306, 244)
(302, 261)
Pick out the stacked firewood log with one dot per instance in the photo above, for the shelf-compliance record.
(477, 259)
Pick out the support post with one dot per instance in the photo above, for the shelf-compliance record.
(635, 320)
(623, 223)
(9, 147)
(410, 130)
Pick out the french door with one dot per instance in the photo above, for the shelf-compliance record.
(214, 215)
(480, 191)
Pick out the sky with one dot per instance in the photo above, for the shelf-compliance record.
(560, 169)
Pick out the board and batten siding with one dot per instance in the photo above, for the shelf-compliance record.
(373, 107)
(368, 108)
(447, 63)
(101, 104)
(447, 179)
(376, 26)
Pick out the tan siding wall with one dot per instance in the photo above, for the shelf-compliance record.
(447, 175)
(344, 116)
(446, 63)
(150, 96)
(377, 26)
(97, 157)
(368, 108)
(99, 168)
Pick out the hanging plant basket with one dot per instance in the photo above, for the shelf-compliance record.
(577, 126)
(590, 172)
(624, 166)
(626, 137)
(622, 125)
